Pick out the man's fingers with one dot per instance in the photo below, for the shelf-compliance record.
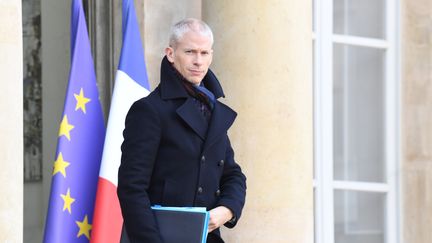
(211, 227)
(218, 216)
(212, 224)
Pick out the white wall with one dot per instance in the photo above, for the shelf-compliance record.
(11, 122)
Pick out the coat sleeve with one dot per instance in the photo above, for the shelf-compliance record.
(141, 141)
(233, 187)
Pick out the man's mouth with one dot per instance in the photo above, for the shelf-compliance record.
(195, 72)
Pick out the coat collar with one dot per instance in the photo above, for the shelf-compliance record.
(222, 116)
(221, 120)
(171, 86)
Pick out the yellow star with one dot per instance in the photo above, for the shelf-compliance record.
(81, 101)
(68, 200)
(84, 228)
(65, 128)
(60, 165)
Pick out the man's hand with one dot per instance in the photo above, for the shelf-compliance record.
(219, 216)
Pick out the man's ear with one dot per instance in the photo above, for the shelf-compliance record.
(169, 52)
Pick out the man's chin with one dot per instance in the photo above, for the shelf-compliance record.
(194, 81)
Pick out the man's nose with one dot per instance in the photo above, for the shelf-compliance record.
(198, 60)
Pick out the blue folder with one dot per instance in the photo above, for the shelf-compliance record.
(179, 224)
(182, 224)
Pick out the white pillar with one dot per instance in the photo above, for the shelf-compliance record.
(263, 57)
(11, 122)
(416, 141)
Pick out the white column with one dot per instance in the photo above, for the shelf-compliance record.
(416, 141)
(11, 122)
(263, 57)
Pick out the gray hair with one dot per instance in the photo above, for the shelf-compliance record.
(189, 24)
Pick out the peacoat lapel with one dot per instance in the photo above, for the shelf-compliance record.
(222, 119)
(192, 116)
(222, 116)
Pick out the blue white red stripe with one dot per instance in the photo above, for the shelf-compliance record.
(131, 84)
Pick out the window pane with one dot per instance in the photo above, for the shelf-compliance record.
(313, 15)
(358, 114)
(315, 215)
(314, 59)
(364, 18)
(359, 217)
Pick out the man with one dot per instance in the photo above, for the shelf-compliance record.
(176, 151)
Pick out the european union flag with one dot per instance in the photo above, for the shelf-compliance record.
(80, 144)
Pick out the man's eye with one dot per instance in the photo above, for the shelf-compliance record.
(205, 53)
(188, 52)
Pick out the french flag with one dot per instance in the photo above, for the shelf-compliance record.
(131, 84)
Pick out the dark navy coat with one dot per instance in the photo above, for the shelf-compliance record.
(171, 156)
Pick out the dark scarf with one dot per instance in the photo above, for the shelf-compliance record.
(201, 93)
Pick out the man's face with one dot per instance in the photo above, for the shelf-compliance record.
(191, 56)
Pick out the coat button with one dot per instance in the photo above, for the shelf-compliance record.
(221, 163)
(217, 193)
(203, 159)
(200, 190)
